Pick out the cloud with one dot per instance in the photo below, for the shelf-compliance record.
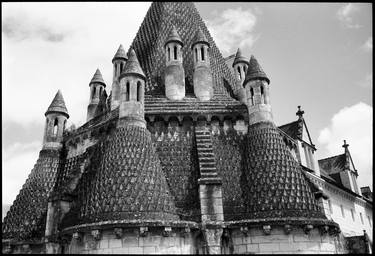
(367, 46)
(345, 15)
(354, 124)
(367, 81)
(233, 28)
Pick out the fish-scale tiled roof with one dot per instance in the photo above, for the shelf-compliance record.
(200, 38)
(57, 105)
(174, 37)
(132, 66)
(124, 181)
(152, 35)
(275, 183)
(26, 218)
(255, 71)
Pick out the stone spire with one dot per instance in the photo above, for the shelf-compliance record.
(57, 105)
(239, 58)
(132, 66)
(97, 78)
(200, 38)
(120, 54)
(255, 71)
(173, 37)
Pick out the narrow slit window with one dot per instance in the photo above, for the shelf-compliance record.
(93, 92)
(239, 72)
(169, 54)
(252, 92)
(175, 52)
(55, 125)
(138, 91)
(196, 55)
(202, 53)
(261, 90)
(121, 67)
(352, 212)
(360, 215)
(100, 92)
(330, 206)
(127, 91)
(342, 211)
(244, 69)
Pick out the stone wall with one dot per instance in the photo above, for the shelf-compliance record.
(278, 242)
(132, 243)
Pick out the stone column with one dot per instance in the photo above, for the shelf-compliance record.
(212, 238)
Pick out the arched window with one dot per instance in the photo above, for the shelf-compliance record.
(127, 94)
(121, 67)
(196, 55)
(55, 125)
(93, 92)
(239, 72)
(169, 54)
(202, 53)
(175, 52)
(261, 90)
(252, 92)
(138, 91)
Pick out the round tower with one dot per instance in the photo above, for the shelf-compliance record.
(174, 76)
(202, 78)
(118, 62)
(56, 116)
(240, 66)
(132, 90)
(97, 86)
(256, 84)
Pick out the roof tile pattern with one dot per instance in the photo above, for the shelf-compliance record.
(123, 180)
(57, 104)
(27, 216)
(132, 66)
(293, 129)
(152, 35)
(97, 78)
(120, 54)
(275, 185)
(174, 37)
(255, 71)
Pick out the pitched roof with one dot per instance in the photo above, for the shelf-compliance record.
(174, 37)
(200, 38)
(152, 34)
(277, 186)
(293, 129)
(120, 54)
(97, 78)
(255, 71)
(333, 164)
(132, 66)
(57, 105)
(239, 58)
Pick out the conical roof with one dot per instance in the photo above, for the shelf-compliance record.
(120, 54)
(173, 37)
(239, 58)
(149, 44)
(97, 78)
(124, 181)
(200, 38)
(132, 66)
(277, 186)
(57, 105)
(255, 71)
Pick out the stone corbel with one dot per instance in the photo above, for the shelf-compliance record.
(186, 231)
(267, 229)
(167, 231)
(118, 232)
(308, 228)
(244, 230)
(287, 229)
(143, 231)
(96, 234)
(77, 236)
(324, 229)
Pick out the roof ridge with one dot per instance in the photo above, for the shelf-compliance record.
(331, 157)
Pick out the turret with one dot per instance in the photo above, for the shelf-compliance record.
(202, 78)
(240, 66)
(132, 89)
(97, 86)
(56, 116)
(118, 62)
(174, 76)
(256, 84)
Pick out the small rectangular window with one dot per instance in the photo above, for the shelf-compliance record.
(369, 220)
(360, 215)
(342, 211)
(330, 206)
(352, 211)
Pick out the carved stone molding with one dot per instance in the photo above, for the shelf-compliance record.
(167, 231)
(143, 231)
(96, 234)
(118, 232)
(287, 229)
(244, 230)
(267, 229)
(308, 228)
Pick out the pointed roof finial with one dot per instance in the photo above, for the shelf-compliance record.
(97, 78)
(120, 54)
(57, 105)
(132, 66)
(255, 71)
(239, 58)
(200, 38)
(173, 37)
(300, 113)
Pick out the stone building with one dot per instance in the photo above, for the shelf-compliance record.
(183, 157)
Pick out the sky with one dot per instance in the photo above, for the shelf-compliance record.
(317, 55)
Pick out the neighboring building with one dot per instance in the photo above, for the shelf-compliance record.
(183, 156)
